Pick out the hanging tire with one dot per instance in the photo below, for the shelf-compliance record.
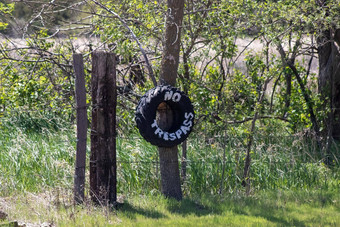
(182, 121)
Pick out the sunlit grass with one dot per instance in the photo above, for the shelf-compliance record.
(273, 208)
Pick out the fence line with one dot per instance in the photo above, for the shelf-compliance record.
(147, 170)
(190, 162)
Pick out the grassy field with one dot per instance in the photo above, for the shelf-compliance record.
(270, 208)
(290, 185)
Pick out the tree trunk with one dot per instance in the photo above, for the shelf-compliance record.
(170, 178)
(247, 162)
(329, 86)
(171, 42)
(288, 78)
(329, 78)
(290, 62)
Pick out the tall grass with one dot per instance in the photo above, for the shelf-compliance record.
(287, 162)
(38, 154)
(35, 154)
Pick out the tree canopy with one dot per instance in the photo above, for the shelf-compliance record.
(231, 53)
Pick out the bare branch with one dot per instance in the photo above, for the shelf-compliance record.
(133, 36)
(259, 117)
(37, 16)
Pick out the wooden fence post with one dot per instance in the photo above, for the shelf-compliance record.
(103, 176)
(79, 176)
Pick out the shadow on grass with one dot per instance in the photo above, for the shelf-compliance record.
(267, 209)
(280, 210)
(189, 207)
(131, 212)
(247, 206)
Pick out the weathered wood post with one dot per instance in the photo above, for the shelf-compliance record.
(103, 170)
(79, 176)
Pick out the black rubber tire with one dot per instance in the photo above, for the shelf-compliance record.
(183, 116)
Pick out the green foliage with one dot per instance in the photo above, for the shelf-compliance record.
(40, 80)
(5, 9)
(145, 19)
(47, 15)
(223, 80)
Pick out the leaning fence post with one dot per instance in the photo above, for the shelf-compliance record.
(79, 176)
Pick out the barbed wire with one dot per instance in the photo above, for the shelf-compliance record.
(190, 162)
(74, 107)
